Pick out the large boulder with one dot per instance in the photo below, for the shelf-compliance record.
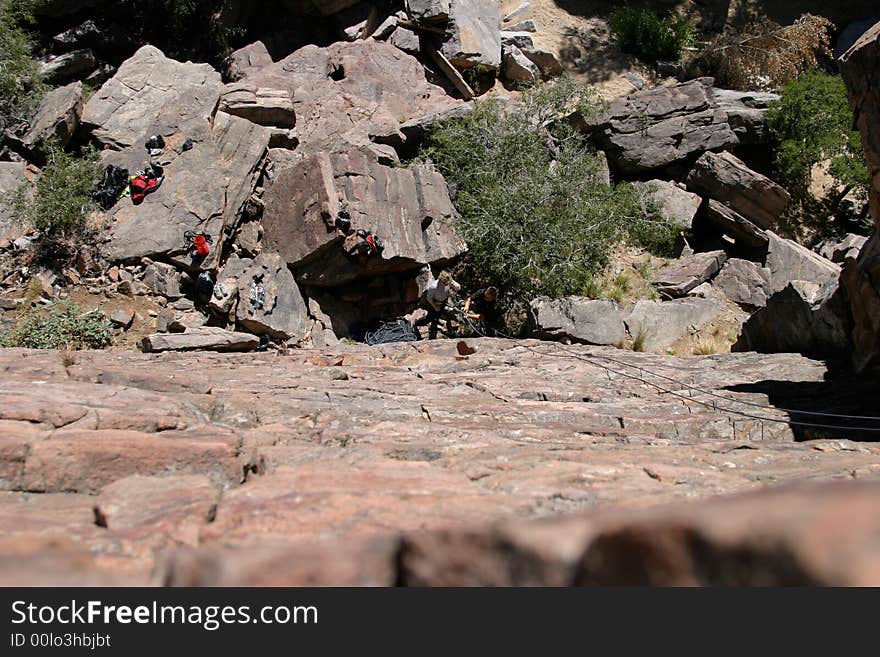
(205, 338)
(248, 60)
(428, 11)
(861, 280)
(269, 107)
(577, 319)
(163, 280)
(678, 205)
(150, 94)
(406, 40)
(838, 250)
(474, 34)
(658, 325)
(860, 67)
(58, 117)
(726, 178)
(348, 93)
(409, 208)
(732, 223)
(803, 317)
(269, 301)
(788, 261)
(204, 191)
(517, 67)
(547, 62)
(205, 186)
(744, 282)
(656, 128)
(69, 67)
(682, 276)
(746, 111)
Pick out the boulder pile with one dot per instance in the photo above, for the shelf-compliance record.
(261, 185)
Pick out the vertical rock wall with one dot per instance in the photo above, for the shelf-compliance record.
(861, 278)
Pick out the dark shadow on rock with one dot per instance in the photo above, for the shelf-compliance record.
(841, 393)
(589, 53)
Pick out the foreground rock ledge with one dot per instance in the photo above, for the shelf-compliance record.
(358, 465)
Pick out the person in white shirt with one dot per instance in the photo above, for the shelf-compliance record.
(434, 301)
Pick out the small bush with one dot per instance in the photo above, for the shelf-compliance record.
(532, 205)
(20, 84)
(762, 54)
(650, 36)
(64, 326)
(813, 123)
(62, 195)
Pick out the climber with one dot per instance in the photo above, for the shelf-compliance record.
(481, 306)
(434, 301)
(367, 244)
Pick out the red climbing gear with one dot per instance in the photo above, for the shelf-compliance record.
(199, 241)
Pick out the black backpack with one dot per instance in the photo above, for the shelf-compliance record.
(205, 285)
(113, 184)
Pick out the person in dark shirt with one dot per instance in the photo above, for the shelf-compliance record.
(482, 306)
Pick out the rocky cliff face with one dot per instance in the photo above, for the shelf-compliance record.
(325, 466)
(861, 278)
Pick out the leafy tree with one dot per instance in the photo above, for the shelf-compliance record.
(20, 84)
(533, 206)
(762, 54)
(648, 35)
(813, 123)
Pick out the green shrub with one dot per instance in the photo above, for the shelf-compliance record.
(20, 85)
(532, 205)
(62, 195)
(813, 123)
(650, 36)
(64, 326)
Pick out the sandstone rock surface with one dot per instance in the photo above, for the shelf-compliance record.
(726, 178)
(57, 118)
(578, 319)
(789, 261)
(474, 34)
(270, 468)
(744, 282)
(682, 276)
(409, 208)
(657, 325)
(193, 339)
(348, 92)
(678, 205)
(139, 101)
(656, 128)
